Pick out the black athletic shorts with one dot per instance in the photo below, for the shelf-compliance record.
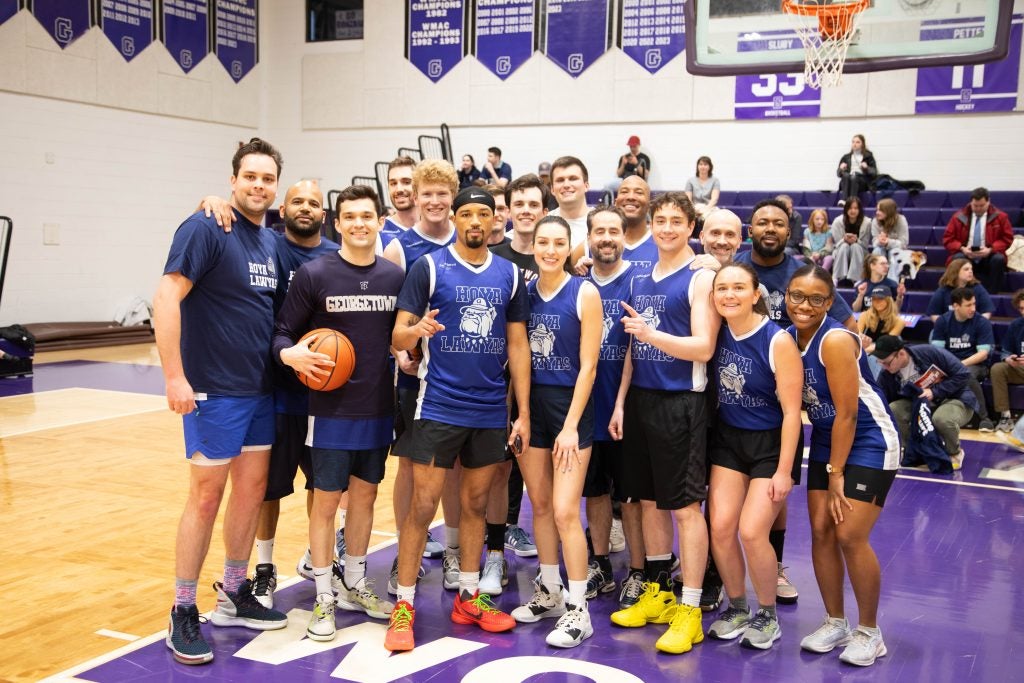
(436, 443)
(753, 452)
(404, 416)
(288, 455)
(333, 467)
(866, 484)
(599, 470)
(548, 407)
(665, 442)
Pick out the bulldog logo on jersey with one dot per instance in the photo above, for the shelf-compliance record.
(542, 341)
(478, 318)
(731, 380)
(650, 317)
(810, 397)
(606, 328)
(776, 304)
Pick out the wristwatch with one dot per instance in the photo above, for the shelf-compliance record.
(833, 470)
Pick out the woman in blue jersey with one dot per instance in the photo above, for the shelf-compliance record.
(757, 372)
(566, 322)
(853, 460)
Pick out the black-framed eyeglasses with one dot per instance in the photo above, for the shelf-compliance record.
(797, 298)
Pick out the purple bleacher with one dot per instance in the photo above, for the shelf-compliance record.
(923, 236)
(820, 198)
(1014, 281)
(945, 215)
(959, 199)
(927, 279)
(930, 199)
(924, 217)
(595, 197)
(751, 197)
(1008, 200)
(901, 197)
(937, 254)
(726, 197)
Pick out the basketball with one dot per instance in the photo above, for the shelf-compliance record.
(338, 348)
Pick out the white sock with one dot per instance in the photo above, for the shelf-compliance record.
(577, 593)
(469, 582)
(355, 569)
(1006, 414)
(550, 577)
(691, 596)
(407, 593)
(451, 536)
(341, 518)
(322, 577)
(264, 551)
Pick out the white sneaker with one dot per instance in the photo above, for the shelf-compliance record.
(495, 573)
(451, 569)
(321, 624)
(572, 628)
(617, 539)
(543, 605)
(831, 634)
(264, 584)
(304, 568)
(863, 648)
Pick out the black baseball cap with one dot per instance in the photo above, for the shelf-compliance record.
(880, 291)
(886, 345)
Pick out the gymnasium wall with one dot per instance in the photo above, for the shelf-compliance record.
(116, 154)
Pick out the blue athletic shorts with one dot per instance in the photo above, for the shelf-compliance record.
(342, 434)
(221, 426)
(333, 467)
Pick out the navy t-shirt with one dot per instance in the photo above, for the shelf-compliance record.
(228, 317)
(503, 171)
(942, 300)
(962, 339)
(775, 280)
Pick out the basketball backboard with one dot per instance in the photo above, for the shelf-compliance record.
(729, 37)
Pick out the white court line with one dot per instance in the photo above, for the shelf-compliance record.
(74, 423)
(954, 482)
(117, 634)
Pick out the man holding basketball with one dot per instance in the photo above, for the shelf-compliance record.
(213, 315)
(471, 309)
(354, 292)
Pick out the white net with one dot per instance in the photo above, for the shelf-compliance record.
(826, 32)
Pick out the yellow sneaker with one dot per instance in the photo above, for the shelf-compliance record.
(683, 632)
(652, 608)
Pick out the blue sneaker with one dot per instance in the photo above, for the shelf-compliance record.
(185, 639)
(339, 545)
(519, 542)
(241, 608)
(433, 549)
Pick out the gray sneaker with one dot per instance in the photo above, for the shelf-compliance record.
(321, 622)
(393, 577)
(495, 573)
(632, 589)
(362, 598)
(863, 648)
(433, 549)
(730, 623)
(785, 591)
(451, 569)
(831, 634)
(543, 605)
(764, 629)
(598, 581)
(986, 426)
(1005, 425)
(519, 542)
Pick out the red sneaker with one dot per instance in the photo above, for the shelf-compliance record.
(399, 637)
(481, 611)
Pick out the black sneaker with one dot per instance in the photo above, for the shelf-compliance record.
(264, 584)
(185, 639)
(598, 581)
(241, 608)
(711, 597)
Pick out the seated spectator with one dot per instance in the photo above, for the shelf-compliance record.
(959, 273)
(852, 235)
(817, 243)
(890, 234)
(981, 233)
(634, 162)
(544, 173)
(857, 170)
(796, 227)
(881, 317)
(468, 172)
(969, 337)
(952, 403)
(1010, 370)
(501, 212)
(876, 272)
(703, 189)
(495, 170)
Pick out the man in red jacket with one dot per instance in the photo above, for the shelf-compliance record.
(982, 233)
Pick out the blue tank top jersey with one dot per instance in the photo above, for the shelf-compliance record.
(775, 280)
(744, 369)
(664, 302)
(227, 318)
(614, 346)
(462, 371)
(876, 441)
(389, 231)
(643, 254)
(554, 333)
(290, 396)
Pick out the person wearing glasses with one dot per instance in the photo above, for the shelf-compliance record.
(854, 455)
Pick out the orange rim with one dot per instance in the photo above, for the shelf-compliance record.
(833, 11)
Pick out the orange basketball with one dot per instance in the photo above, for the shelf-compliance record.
(339, 349)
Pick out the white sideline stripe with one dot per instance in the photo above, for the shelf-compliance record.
(954, 483)
(117, 634)
(69, 674)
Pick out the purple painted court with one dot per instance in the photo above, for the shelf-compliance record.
(950, 549)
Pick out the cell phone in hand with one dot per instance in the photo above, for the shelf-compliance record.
(517, 445)
(975, 248)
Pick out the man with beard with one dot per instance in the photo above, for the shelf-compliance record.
(402, 199)
(634, 198)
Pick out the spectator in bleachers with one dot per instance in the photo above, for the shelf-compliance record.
(796, 227)
(495, 170)
(890, 234)
(852, 235)
(500, 226)
(468, 172)
(969, 337)
(881, 317)
(703, 189)
(1010, 370)
(952, 403)
(857, 170)
(981, 233)
(876, 272)
(544, 173)
(632, 163)
(817, 242)
(959, 273)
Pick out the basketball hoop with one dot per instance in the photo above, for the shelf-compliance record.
(826, 32)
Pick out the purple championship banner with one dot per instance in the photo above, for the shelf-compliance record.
(774, 96)
(504, 34)
(8, 8)
(576, 32)
(128, 25)
(237, 47)
(64, 20)
(970, 88)
(652, 32)
(185, 31)
(435, 36)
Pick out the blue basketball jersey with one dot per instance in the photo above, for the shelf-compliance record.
(744, 370)
(643, 254)
(775, 280)
(390, 231)
(554, 333)
(462, 371)
(614, 346)
(665, 302)
(876, 441)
